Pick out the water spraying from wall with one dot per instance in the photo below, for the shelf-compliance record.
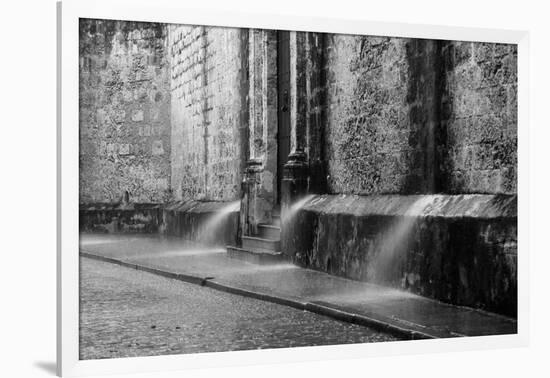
(217, 221)
(396, 240)
(291, 212)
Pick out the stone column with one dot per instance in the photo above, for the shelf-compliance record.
(294, 187)
(259, 184)
(256, 103)
(298, 91)
(250, 188)
(295, 181)
(316, 87)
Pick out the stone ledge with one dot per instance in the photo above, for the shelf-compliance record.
(198, 207)
(458, 249)
(120, 217)
(480, 206)
(191, 220)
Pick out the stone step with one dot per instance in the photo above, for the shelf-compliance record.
(253, 243)
(269, 231)
(255, 257)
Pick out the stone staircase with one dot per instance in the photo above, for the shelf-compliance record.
(263, 248)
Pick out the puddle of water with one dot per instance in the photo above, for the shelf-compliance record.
(98, 241)
(272, 268)
(250, 268)
(183, 253)
(372, 294)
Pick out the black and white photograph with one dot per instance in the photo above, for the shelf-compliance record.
(275, 189)
(244, 189)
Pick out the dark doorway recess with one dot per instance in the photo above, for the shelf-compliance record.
(283, 101)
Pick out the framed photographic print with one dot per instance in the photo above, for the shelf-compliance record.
(284, 188)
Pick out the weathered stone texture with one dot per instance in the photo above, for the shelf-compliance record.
(374, 114)
(121, 218)
(124, 111)
(479, 112)
(368, 125)
(207, 112)
(262, 122)
(413, 116)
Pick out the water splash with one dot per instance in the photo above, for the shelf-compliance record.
(396, 240)
(289, 214)
(365, 293)
(217, 221)
(255, 268)
(192, 251)
(86, 240)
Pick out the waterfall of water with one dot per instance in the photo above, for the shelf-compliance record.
(396, 240)
(291, 212)
(217, 220)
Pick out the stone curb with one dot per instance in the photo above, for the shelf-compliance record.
(345, 316)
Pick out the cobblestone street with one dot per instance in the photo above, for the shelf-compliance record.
(126, 313)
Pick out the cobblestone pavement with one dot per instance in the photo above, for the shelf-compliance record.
(127, 313)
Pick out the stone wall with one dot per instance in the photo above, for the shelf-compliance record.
(121, 218)
(169, 108)
(396, 115)
(209, 116)
(124, 111)
(368, 125)
(480, 117)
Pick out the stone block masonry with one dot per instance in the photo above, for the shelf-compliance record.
(406, 116)
(174, 112)
(207, 112)
(120, 218)
(368, 127)
(479, 113)
(124, 112)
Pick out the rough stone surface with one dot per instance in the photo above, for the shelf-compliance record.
(368, 127)
(124, 111)
(182, 108)
(121, 218)
(458, 249)
(479, 113)
(395, 115)
(263, 120)
(208, 125)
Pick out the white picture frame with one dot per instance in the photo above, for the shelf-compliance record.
(171, 11)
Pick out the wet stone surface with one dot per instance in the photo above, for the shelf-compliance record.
(128, 313)
(289, 281)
